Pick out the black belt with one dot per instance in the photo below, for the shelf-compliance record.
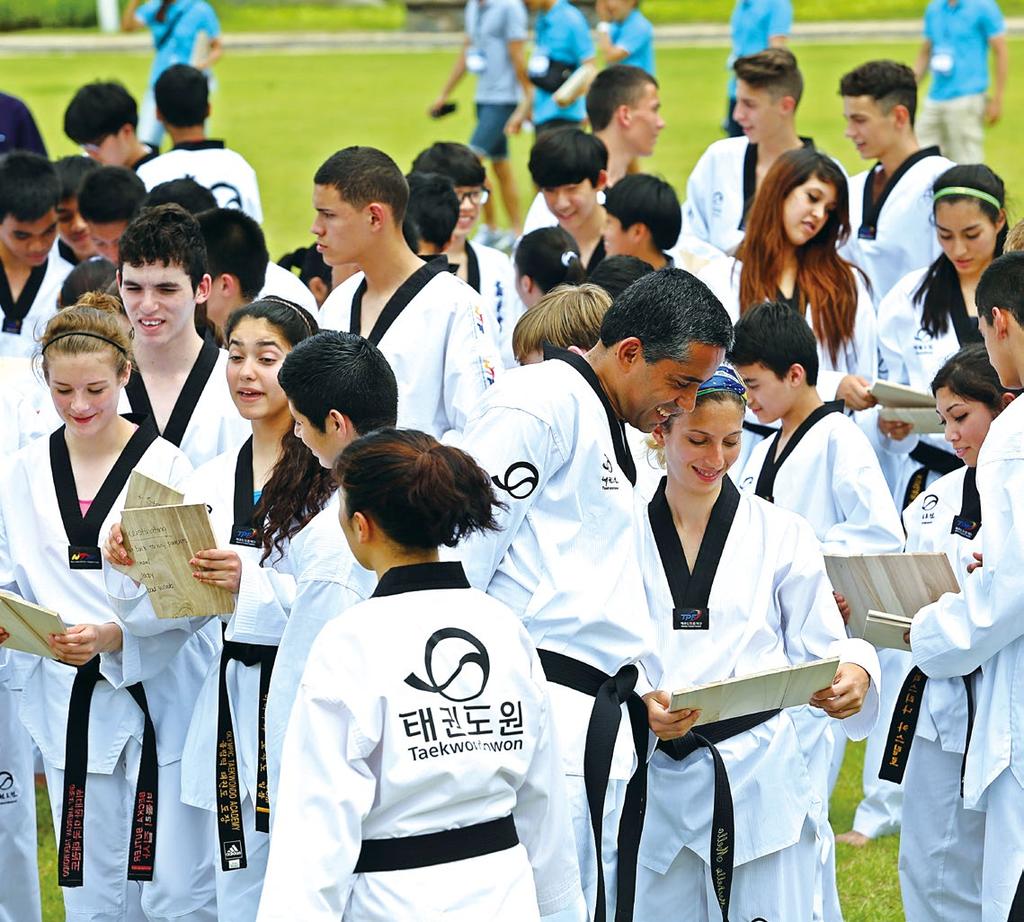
(609, 693)
(142, 848)
(230, 834)
(406, 852)
(904, 724)
(708, 736)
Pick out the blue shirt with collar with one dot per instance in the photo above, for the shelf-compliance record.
(959, 33)
(753, 23)
(562, 34)
(635, 34)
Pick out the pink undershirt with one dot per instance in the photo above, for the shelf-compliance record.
(84, 504)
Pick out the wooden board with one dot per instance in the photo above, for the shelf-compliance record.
(28, 624)
(897, 584)
(789, 686)
(886, 631)
(889, 394)
(144, 492)
(161, 540)
(923, 420)
(576, 85)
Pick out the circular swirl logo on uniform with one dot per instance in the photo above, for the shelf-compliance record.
(929, 502)
(6, 781)
(520, 480)
(457, 658)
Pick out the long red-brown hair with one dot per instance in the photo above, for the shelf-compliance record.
(825, 280)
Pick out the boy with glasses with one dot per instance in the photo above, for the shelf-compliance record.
(102, 119)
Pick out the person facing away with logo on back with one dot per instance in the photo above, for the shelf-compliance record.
(420, 742)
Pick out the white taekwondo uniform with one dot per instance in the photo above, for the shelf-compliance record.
(491, 273)
(941, 841)
(539, 215)
(204, 422)
(894, 234)
(566, 562)
(221, 751)
(226, 173)
(962, 632)
(760, 584)
(719, 193)
(55, 562)
(911, 355)
(286, 284)
(421, 735)
(434, 335)
(328, 582)
(24, 319)
(828, 474)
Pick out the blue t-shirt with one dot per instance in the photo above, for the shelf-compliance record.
(490, 26)
(753, 23)
(562, 35)
(175, 37)
(959, 35)
(635, 34)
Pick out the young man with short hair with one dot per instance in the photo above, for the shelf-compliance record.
(570, 168)
(642, 219)
(73, 240)
(429, 324)
(958, 35)
(433, 211)
(108, 199)
(183, 105)
(339, 387)
(821, 466)
(493, 49)
(551, 436)
(977, 632)
(755, 25)
(624, 111)
(102, 118)
(30, 274)
(486, 269)
(722, 186)
(625, 35)
(891, 203)
(178, 378)
(240, 267)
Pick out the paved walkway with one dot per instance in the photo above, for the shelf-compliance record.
(675, 35)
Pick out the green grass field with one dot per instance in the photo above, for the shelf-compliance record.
(287, 112)
(868, 887)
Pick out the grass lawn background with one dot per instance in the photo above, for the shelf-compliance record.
(285, 113)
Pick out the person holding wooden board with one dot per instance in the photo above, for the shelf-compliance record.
(954, 637)
(259, 495)
(930, 313)
(701, 532)
(106, 711)
(941, 842)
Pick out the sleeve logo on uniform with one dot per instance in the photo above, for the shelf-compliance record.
(716, 204)
(8, 790)
(520, 480)
(468, 683)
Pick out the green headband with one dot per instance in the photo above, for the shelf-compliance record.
(967, 190)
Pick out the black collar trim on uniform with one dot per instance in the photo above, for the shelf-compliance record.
(398, 302)
(18, 310)
(188, 398)
(970, 501)
(770, 468)
(871, 210)
(472, 267)
(417, 577)
(750, 177)
(206, 144)
(596, 257)
(66, 253)
(152, 155)
(615, 425)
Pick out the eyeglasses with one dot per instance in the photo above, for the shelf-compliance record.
(473, 196)
(93, 147)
